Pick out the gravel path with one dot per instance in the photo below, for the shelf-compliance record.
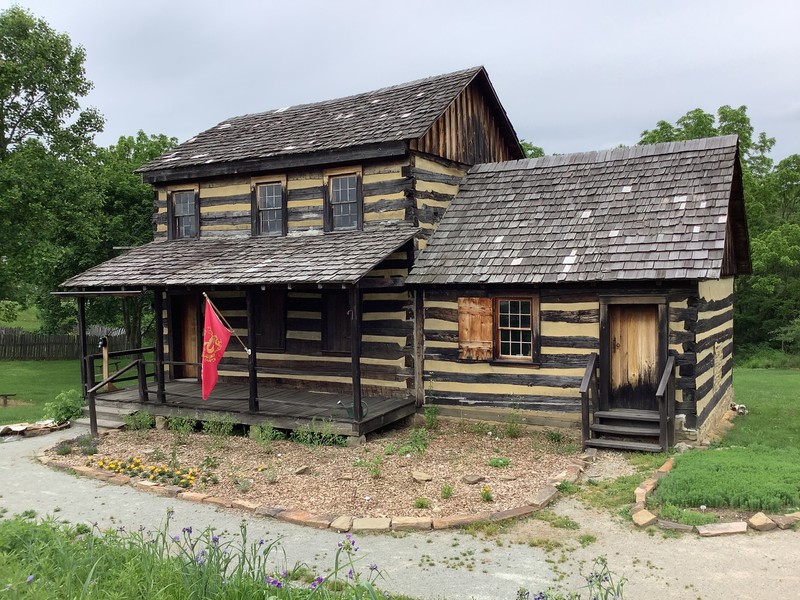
(745, 566)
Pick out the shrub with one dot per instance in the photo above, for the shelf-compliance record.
(264, 434)
(431, 416)
(181, 427)
(315, 434)
(513, 428)
(499, 462)
(141, 421)
(447, 491)
(87, 444)
(218, 427)
(68, 405)
(64, 448)
(417, 442)
(422, 503)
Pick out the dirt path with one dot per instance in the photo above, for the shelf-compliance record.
(443, 564)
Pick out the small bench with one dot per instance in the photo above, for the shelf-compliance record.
(5, 398)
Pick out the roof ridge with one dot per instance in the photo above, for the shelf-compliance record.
(386, 88)
(622, 153)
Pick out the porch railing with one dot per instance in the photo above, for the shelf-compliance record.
(91, 393)
(666, 404)
(590, 397)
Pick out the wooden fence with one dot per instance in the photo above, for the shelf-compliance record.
(16, 344)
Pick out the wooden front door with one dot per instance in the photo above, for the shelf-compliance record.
(185, 321)
(633, 356)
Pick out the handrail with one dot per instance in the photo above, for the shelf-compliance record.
(113, 377)
(665, 395)
(665, 377)
(589, 394)
(591, 367)
(117, 353)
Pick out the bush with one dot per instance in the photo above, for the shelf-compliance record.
(318, 435)
(422, 503)
(264, 434)
(766, 357)
(140, 421)
(68, 405)
(499, 462)
(447, 491)
(431, 416)
(87, 444)
(513, 427)
(218, 427)
(181, 427)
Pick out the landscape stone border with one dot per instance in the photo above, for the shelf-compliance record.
(340, 523)
(644, 518)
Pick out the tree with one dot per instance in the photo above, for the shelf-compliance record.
(42, 79)
(530, 150)
(128, 204)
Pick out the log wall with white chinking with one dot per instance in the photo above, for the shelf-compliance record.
(435, 183)
(225, 204)
(569, 331)
(387, 341)
(714, 348)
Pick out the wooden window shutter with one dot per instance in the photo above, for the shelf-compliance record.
(254, 216)
(475, 329)
(197, 212)
(170, 217)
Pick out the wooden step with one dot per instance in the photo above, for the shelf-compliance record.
(629, 415)
(629, 430)
(623, 445)
(101, 423)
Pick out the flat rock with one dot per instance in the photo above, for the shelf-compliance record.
(145, 485)
(270, 511)
(192, 496)
(716, 529)
(512, 513)
(372, 524)
(589, 455)
(640, 495)
(543, 497)
(400, 523)
(638, 507)
(342, 524)
(675, 526)
(458, 520)
(421, 477)
(302, 470)
(217, 501)
(507, 478)
(667, 466)
(784, 521)
(168, 491)
(301, 517)
(473, 479)
(346, 477)
(682, 447)
(244, 504)
(761, 522)
(644, 518)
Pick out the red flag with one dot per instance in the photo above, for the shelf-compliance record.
(215, 340)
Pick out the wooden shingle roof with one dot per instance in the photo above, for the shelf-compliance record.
(392, 114)
(638, 213)
(333, 258)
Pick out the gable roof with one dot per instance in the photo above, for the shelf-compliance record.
(332, 258)
(638, 213)
(391, 114)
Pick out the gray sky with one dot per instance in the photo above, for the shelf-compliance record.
(573, 76)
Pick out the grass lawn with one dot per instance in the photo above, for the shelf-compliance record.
(35, 382)
(26, 319)
(756, 466)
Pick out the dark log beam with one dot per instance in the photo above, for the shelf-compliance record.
(84, 365)
(158, 306)
(355, 351)
(252, 374)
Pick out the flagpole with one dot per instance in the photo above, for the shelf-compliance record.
(228, 325)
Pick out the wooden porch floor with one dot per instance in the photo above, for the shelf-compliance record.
(284, 408)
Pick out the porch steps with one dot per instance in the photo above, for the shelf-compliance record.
(623, 445)
(625, 429)
(109, 415)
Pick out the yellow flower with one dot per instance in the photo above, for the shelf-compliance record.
(99, 463)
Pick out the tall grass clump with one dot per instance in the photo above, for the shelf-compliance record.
(49, 560)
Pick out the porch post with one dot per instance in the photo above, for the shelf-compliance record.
(158, 306)
(355, 350)
(252, 374)
(85, 377)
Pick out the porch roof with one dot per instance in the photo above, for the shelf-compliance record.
(330, 258)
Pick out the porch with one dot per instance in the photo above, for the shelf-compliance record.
(284, 408)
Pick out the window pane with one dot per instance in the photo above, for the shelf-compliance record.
(344, 201)
(270, 208)
(514, 328)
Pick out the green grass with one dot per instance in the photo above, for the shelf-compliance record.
(35, 382)
(45, 560)
(26, 319)
(757, 463)
(686, 516)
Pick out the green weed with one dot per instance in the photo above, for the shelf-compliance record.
(218, 427)
(141, 422)
(499, 462)
(446, 491)
(431, 416)
(686, 516)
(181, 427)
(422, 503)
(557, 521)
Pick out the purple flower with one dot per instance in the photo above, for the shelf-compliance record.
(350, 574)
(274, 582)
(29, 579)
(175, 538)
(260, 542)
(215, 539)
(316, 582)
(187, 530)
(373, 567)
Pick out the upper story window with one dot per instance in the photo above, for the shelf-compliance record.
(185, 219)
(344, 202)
(514, 332)
(270, 210)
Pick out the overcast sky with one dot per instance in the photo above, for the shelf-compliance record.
(573, 76)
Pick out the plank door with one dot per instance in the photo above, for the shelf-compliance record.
(633, 353)
(185, 317)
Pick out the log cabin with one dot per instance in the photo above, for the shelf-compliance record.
(301, 224)
(593, 287)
